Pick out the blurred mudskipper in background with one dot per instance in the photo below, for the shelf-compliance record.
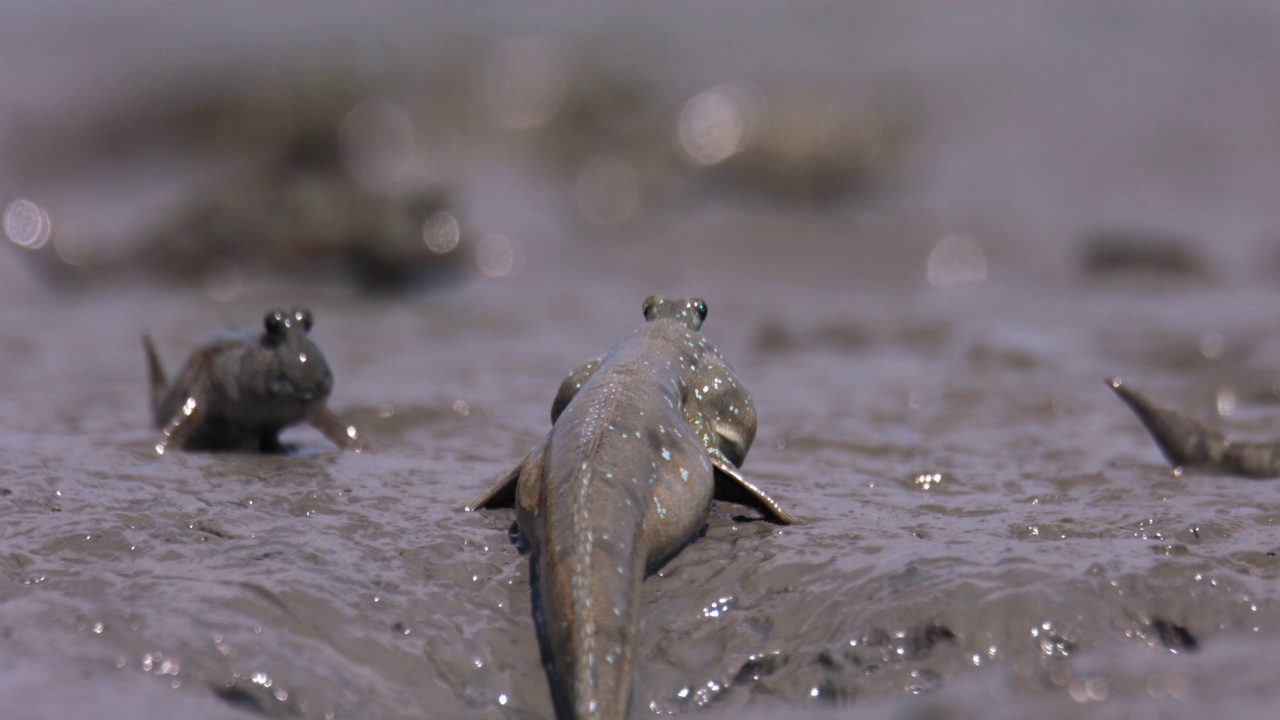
(239, 391)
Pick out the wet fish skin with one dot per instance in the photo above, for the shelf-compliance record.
(239, 391)
(642, 439)
(1187, 443)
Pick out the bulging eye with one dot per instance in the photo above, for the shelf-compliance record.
(701, 309)
(274, 323)
(304, 317)
(648, 308)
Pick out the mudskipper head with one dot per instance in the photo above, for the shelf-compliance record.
(689, 311)
(289, 364)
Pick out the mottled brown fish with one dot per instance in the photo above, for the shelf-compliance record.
(239, 391)
(1189, 444)
(641, 441)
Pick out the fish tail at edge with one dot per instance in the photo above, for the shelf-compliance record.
(1184, 441)
(593, 648)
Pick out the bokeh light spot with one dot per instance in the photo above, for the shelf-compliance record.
(72, 242)
(1212, 345)
(719, 123)
(526, 81)
(441, 233)
(27, 225)
(607, 190)
(1226, 401)
(223, 280)
(956, 260)
(378, 143)
(499, 256)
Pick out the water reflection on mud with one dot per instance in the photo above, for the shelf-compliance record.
(896, 226)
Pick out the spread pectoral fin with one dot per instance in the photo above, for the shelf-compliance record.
(183, 426)
(732, 487)
(503, 492)
(339, 433)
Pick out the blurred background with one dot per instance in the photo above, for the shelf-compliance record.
(395, 150)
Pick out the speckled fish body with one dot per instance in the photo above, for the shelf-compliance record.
(623, 480)
(239, 391)
(1188, 444)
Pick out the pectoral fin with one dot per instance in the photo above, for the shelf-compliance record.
(339, 433)
(503, 492)
(732, 487)
(520, 485)
(179, 431)
(571, 385)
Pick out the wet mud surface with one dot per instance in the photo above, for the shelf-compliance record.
(986, 531)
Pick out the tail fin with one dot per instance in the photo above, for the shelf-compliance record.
(1184, 441)
(589, 582)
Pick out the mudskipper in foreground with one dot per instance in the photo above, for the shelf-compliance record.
(641, 441)
(1188, 443)
(239, 392)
